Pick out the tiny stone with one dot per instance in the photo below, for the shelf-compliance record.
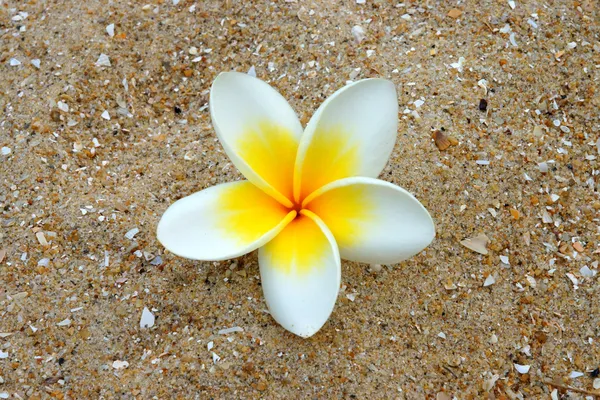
(376, 267)
(455, 13)
(483, 105)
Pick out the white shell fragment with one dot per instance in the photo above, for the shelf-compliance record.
(575, 374)
(522, 369)
(106, 115)
(103, 61)
(546, 218)
(230, 330)
(477, 244)
(14, 62)
(459, 65)
(118, 364)
(6, 151)
(586, 272)
(110, 29)
(62, 106)
(358, 33)
(573, 279)
(489, 281)
(64, 322)
(44, 262)
(3, 354)
(36, 63)
(147, 320)
(490, 383)
(504, 260)
(131, 233)
(252, 71)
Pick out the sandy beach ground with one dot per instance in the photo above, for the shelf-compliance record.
(104, 123)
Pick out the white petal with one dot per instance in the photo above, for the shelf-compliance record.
(373, 221)
(352, 134)
(300, 272)
(259, 131)
(221, 222)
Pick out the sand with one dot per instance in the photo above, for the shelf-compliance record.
(96, 146)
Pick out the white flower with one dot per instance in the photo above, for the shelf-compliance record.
(311, 195)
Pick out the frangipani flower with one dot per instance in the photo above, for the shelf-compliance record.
(310, 196)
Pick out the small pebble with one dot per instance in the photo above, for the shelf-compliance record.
(483, 104)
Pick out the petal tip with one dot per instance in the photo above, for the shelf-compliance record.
(305, 331)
